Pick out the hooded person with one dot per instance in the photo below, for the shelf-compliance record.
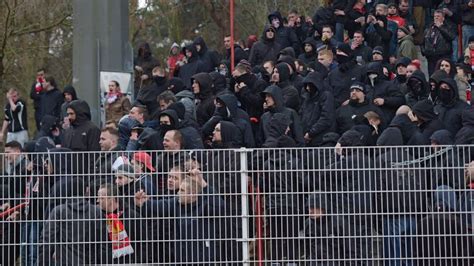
(267, 49)
(70, 95)
(285, 36)
(209, 58)
(401, 73)
(434, 81)
(317, 111)
(147, 96)
(186, 97)
(227, 110)
(417, 88)
(347, 72)
(382, 92)
(295, 78)
(410, 132)
(466, 134)
(193, 66)
(83, 135)
(376, 35)
(450, 107)
(275, 104)
(125, 126)
(230, 136)
(442, 137)
(204, 97)
(221, 83)
(176, 85)
(424, 116)
(281, 77)
(175, 55)
(50, 127)
(192, 138)
(144, 63)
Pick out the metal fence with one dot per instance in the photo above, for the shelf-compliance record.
(326, 206)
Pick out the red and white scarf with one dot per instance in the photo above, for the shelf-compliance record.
(118, 235)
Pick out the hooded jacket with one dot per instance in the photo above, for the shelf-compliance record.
(311, 56)
(187, 98)
(231, 136)
(231, 112)
(209, 58)
(192, 138)
(296, 131)
(410, 132)
(450, 108)
(378, 36)
(83, 135)
(250, 95)
(51, 102)
(317, 112)
(345, 114)
(68, 89)
(194, 66)
(205, 98)
(148, 96)
(48, 123)
(285, 36)
(436, 77)
(416, 94)
(382, 88)
(406, 48)
(290, 93)
(341, 78)
(265, 49)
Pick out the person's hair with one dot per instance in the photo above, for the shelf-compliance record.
(13, 90)
(112, 190)
(439, 11)
(293, 11)
(177, 137)
(143, 110)
(325, 52)
(384, 6)
(194, 186)
(111, 124)
(327, 26)
(269, 61)
(14, 145)
(167, 96)
(116, 83)
(159, 69)
(371, 115)
(41, 69)
(359, 32)
(51, 80)
(112, 131)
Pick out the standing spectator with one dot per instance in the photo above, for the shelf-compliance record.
(417, 88)
(393, 15)
(406, 46)
(437, 41)
(267, 49)
(204, 97)
(377, 30)
(450, 108)
(239, 53)
(108, 142)
(209, 58)
(63, 236)
(467, 12)
(310, 51)
(148, 95)
(174, 57)
(192, 66)
(69, 96)
(15, 119)
(281, 78)
(35, 95)
(450, 9)
(405, 12)
(285, 36)
(360, 50)
(52, 98)
(117, 104)
(144, 64)
(15, 169)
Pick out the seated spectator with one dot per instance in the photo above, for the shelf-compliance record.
(450, 107)
(466, 134)
(424, 117)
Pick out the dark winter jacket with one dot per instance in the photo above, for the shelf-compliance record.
(379, 36)
(285, 36)
(341, 78)
(311, 56)
(437, 40)
(249, 96)
(436, 78)
(68, 89)
(239, 54)
(192, 138)
(265, 49)
(466, 134)
(148, 95)
(194, 66)
(346, 113)
(204, 99)
(317, 112)
(209, 58)
(417, 87)
(296, 132)
(51, 102)
(290, 93)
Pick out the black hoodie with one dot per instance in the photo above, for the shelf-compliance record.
(83, 135)
(205, 98)
(450, 108)
(285, 36)
(466, 134)
(436, 77)
(312, 55)
(296, 132)
(194, 66)
(417, 87)
(231, 136)
(290, 93)
(210, 59)
(265, 49)
(317, 112)
(192, 138)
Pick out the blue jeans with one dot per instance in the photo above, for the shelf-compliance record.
(30, 232)
(467, 31)
(396, 244)
(455, 49)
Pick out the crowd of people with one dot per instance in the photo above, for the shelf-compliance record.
(350, 76)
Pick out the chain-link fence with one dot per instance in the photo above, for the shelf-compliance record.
(347, 206)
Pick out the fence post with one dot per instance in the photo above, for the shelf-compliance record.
(244, 204)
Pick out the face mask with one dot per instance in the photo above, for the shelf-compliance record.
(222, 111)
(164, 128)
(341, 59)
(223, 72)
(159, 79)
(415, 86)
(402, 78)
(446, 96)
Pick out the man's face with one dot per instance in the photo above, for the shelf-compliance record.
(276, 23)
(189, 53)
(269, 100)
(40, 75)
(227, 42)
(380, 11)
(392, 10)
(122, 180)
(377, 57)
(11, 154)
(292, 17)
(438, 17)
(163, 104)
(196, 87)
(357, 95)
(471, 45)
(268, 67)
(327, 33)
(107, 141)
(400, 34)
(169, 143)
(316, 213)
(113, 87)
(325, 60)
(410, 70)
(308, 48)
(403, 7)
(270, 34)
(14, 96)
(216, 134)
(106, 203)
(136, 114)
(401, 70)
(71, 115)
(358, 38)
(174, 179)
(185, 195)
(165, 120)
(275, 75)
(446, 66)
(67, 97)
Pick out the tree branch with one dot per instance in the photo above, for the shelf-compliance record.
(26, 30)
